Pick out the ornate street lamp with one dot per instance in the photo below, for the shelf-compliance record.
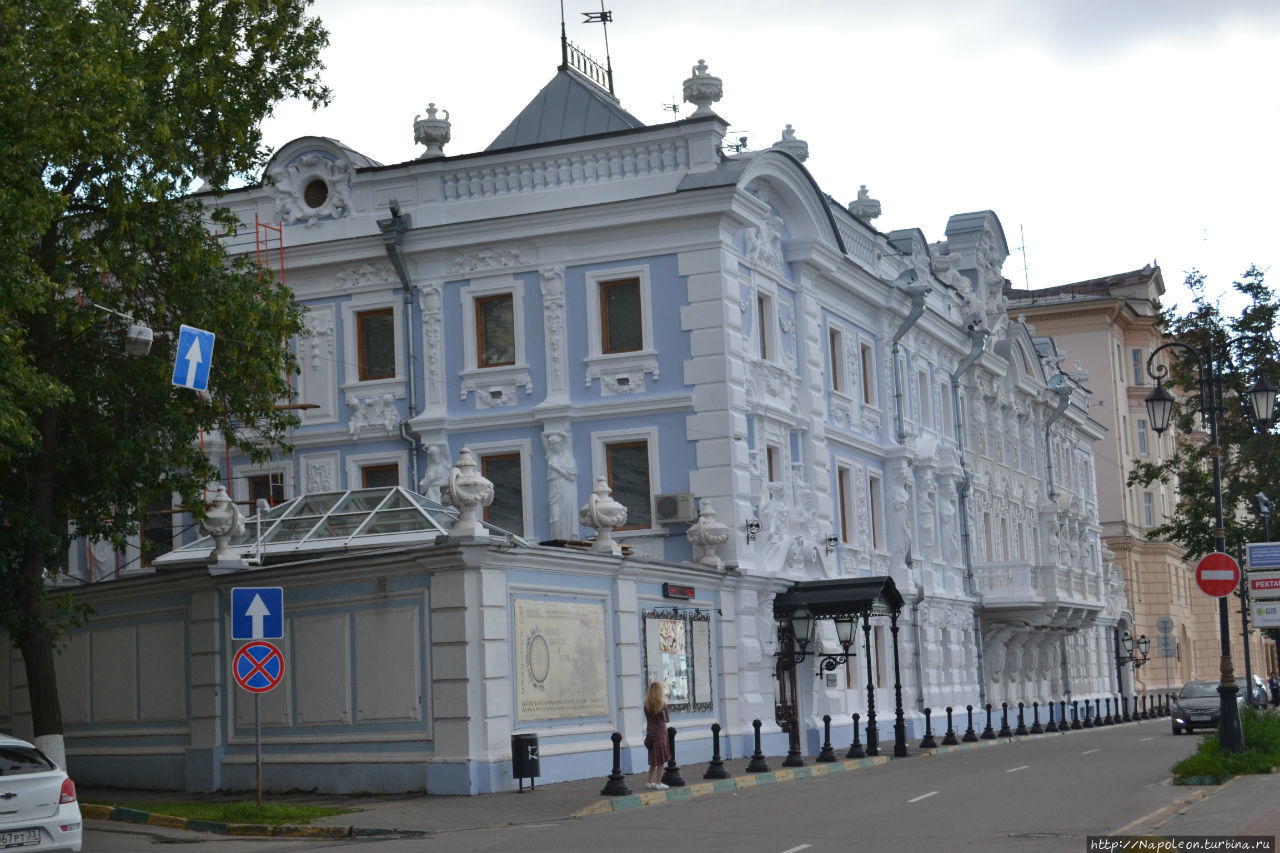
(1262, 399)
(799, 625)
(1144, 647)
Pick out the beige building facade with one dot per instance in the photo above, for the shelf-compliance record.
(1108, 327)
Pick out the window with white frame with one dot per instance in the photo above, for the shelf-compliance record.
(944, 400)
(764, 326)
(268, 486)
(1142, 437)
(495, 330)
(844, 492)
(371, 336)
(625, 460)
(375, 344)
(505, 471)
(379, 476)
(376, 470)
(773, 463)
(835, 351)
(1148, 509)
(924, 401)
(868, 363)
(875, 499)
(986, 537)
(619, 329)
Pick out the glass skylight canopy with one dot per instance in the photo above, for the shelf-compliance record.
(335, 521)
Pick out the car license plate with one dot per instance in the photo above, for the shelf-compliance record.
(20, 838)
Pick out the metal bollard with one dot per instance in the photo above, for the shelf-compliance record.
(1088, 716)
(1005, 731)
(855, 748)
(1021, 730)
(715, 770)
(1075, 715)
(1052, 727)
(758, 764)
(794, 758)
(1036, 728)
(949, 738)
(988, 733)
(970, 736)
(671, 776)
(616, 786)
(928, 742)
(826, 754)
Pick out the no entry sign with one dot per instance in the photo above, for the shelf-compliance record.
(1218, 574)
(258, 666)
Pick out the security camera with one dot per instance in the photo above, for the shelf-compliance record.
(137, 341)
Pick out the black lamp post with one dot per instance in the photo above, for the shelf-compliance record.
(1262, 400)
(800, 625)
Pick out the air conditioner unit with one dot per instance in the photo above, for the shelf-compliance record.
(675, 508)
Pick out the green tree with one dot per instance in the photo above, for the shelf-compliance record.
(1244, 348)
(111, 111)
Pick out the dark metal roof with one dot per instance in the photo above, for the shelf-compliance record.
(840, 597)
(569, 107)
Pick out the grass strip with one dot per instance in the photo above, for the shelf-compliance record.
(1209, 765)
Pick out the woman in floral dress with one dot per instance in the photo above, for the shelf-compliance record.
(655, 738)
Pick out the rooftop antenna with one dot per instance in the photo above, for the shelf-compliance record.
(1026, 279)
(673, 108)
(602, 18)
(739, 146)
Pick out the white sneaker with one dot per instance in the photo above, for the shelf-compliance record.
(651, 785)
(660, 786)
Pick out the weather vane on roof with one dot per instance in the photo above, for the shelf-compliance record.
(572, 55)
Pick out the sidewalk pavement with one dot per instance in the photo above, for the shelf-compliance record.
(1248, 805)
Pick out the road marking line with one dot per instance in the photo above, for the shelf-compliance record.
(922, 797)
(1090, 751)
(798, 849)
(1016, 769)
(1145, 738)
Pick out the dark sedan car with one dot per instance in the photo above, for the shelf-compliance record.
(1197, 706)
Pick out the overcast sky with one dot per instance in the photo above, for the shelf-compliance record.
(1110, 133)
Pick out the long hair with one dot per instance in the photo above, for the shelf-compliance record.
(653, 698)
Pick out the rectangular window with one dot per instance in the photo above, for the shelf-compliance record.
(842, 485)
(268, 487)
(926, 405)
(836, 350)
(1148, 509)
(875, 497)
(986, 537)
(621, 328)
(944, 400)
(1142, 437)
(379, 476)
(1004, 537)
(495, 330)
(771, 455)
(868, 375)
(376, 344)
(628, 464)
(157, 532)
(762, 327)
(1137, 367)
(507, 509)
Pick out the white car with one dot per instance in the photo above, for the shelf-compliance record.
(38, 808)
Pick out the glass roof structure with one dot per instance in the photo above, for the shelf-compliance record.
(359, 519)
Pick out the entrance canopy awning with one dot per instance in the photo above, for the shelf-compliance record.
(831, 599)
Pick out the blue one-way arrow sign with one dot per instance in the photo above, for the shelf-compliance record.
(257, 613)
(191, 362)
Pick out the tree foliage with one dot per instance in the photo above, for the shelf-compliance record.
(1243, 348)
(111, 111)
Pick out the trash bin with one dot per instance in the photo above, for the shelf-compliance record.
(524, 759)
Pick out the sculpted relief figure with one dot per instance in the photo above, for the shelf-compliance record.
(437, 473)
(562, 486)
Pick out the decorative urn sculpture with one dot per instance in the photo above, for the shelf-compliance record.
(602, 513)
(468, 490)
(702, 90)
(705, 535)
(432, 132)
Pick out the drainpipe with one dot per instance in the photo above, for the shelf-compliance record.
(1059, 386)
(393, 230)
(977, 339)
(917, 290)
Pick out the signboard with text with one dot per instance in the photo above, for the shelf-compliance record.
(1263, 555)
(1266, 614)
(1264, 584)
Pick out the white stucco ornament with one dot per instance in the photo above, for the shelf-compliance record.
(432, 132)
(797, 148)
(602, 513)
(864, 206)
(702, 90)
(222, 521)
(705, 535)
(468, 490)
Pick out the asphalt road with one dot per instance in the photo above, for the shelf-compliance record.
(1037, 794)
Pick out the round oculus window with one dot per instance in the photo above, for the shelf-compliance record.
(316, 194)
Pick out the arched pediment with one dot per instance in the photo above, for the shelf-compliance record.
(780, 180)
